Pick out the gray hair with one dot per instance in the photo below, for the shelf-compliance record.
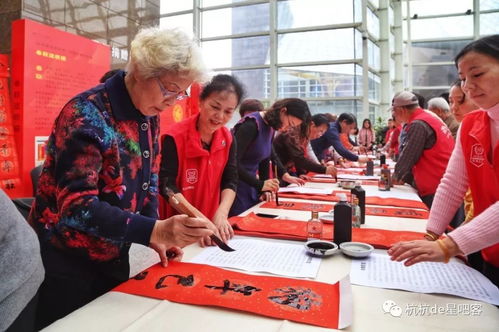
(155, 52)
(440, 103)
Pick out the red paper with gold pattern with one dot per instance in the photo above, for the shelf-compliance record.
(370, 210)
(400, 202)
(303, 301)
(252, 225)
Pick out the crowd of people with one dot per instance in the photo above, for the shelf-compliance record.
(106, 166)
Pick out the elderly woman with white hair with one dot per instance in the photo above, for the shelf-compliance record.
(98, 189)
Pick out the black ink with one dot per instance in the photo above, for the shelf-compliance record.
(181, 280)
(141, 276)
(237, 288)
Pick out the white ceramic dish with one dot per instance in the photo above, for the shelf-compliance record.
(327, 218)
(347, 184)
(321, 248)
(356, 249)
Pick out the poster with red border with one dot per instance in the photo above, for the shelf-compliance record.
(49, 67)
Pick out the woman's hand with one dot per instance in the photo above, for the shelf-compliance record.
(305, 177)
(331, 170)
(363, 159)
(267, 196)
(271, 185)
(293, 179)
(422, 251)
(224, 228)
(178, 231)
(167, 254)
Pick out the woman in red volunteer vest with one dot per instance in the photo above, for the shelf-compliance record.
(474, 163)
(198, 157)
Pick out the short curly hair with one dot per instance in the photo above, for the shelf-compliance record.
(155, 52)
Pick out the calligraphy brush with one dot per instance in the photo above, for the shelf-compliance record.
(180, 207)
(277, 192)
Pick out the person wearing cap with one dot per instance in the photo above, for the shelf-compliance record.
(344, 124)
(428, 146)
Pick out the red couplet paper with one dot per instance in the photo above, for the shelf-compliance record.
(399, 202)
(303, 301)
(370, 210)
(253, 225)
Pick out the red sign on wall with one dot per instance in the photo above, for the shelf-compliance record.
(49, 67)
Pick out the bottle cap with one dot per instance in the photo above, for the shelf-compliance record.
(342, 197)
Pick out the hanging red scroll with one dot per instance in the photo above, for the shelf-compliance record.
(303, 301)
(10, 181)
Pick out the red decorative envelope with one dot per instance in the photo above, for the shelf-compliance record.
(370, 210)
(303, 301)
(252, 225)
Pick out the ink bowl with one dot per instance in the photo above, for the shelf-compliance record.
(327, 218)
(356, 249)
(347, 184)
(321, 248)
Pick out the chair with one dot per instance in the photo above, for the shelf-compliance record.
(35, 175)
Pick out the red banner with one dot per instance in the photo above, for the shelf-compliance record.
(370, 210)
(400, 202)
(253, 225)
(9, 162)
(303, 301)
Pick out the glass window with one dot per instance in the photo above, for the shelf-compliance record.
(437, 51)
(179, 21)
(208, 3)
(373, 55)
(236, 52)
(255, 81)
(320, 81)
(489, 23)
(489, 4)
(432, 7)
(430, 93)
(374, 86)
(433, 75)
(335, 106)
(323, 45)
(169, 6)
(391, 18)
(442, 27)
(357, 8)
(229, 21)
(372, 23)
(392, 69)
(304, 13)
(375, 3)
(392, 42)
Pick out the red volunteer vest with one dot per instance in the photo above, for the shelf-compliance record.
(200, 171)
(483, 176)
(430, 168)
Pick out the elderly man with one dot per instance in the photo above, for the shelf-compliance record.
(428, 146)
(441, 108)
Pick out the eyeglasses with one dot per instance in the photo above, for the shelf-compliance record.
(169, 94)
